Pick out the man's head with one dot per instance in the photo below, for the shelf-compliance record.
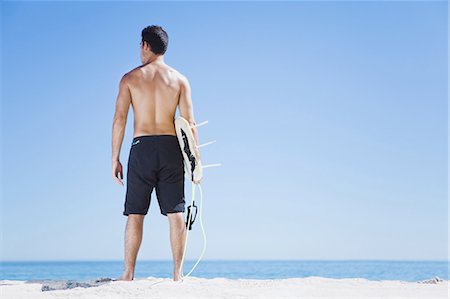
(154, 42)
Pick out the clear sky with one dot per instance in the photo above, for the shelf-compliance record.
(330, 120)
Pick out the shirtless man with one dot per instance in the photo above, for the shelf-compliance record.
(155, 90)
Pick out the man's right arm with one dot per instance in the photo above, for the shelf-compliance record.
(186, 107)
(120, 119)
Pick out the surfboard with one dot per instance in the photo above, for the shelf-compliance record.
(192, 164)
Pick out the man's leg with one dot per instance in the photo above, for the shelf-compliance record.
(177, 238)
(133, 238)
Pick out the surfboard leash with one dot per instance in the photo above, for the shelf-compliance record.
(189, 223)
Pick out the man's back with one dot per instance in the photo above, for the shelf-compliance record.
(155, 93)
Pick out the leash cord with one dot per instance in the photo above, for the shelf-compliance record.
(187, 230)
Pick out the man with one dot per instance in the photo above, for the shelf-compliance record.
(155, 90)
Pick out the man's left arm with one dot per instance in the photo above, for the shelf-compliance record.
(118, 130)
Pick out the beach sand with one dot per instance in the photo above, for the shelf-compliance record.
(194, 287)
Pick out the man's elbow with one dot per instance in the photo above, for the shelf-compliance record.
(189, 118)
(119, 120)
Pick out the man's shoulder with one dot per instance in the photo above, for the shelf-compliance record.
(176, 72)
(181, 77)
(132, 73)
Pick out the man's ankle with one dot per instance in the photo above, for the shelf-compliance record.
(128, 273)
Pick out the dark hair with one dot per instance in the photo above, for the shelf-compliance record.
(156, 37)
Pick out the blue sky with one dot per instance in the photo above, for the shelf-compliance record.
(330, 120)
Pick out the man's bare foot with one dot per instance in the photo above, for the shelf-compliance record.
(125, 277)
(177, 277)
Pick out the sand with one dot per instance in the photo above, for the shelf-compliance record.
(194, 287)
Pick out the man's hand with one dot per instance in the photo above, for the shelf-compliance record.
(116, 170)
(197, 154)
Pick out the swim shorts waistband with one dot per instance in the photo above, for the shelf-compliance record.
(164, 136)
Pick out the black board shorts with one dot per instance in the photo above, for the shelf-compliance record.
(155, 161)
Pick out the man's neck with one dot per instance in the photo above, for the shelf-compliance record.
(157, 59)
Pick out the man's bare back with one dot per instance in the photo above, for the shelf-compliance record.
(155, 93)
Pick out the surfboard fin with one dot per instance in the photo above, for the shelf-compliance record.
(199, 124)
(205, 144)
(211, 165)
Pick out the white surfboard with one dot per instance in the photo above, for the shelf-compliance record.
(192, 164)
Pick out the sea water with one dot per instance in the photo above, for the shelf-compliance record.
(250, 269)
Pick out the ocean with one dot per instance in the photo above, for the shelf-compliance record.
(251, 269)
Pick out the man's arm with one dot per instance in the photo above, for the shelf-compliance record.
(118, 130)
(186, 107)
